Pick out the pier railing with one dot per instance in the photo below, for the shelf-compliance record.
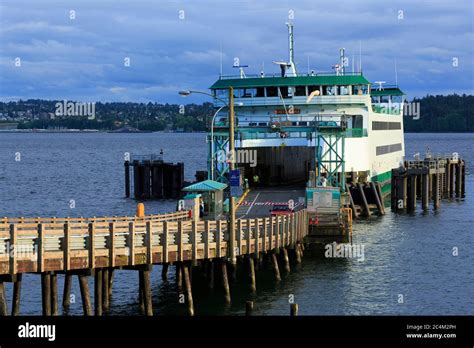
(64, 244)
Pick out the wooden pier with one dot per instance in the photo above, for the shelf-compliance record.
(431, 179)
(97, 246)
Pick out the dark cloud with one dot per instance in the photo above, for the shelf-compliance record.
(83, 59)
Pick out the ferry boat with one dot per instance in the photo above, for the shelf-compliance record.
(338, 125)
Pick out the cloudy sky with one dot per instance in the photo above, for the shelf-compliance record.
(78, 49)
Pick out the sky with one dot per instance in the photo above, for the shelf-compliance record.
(80, 49)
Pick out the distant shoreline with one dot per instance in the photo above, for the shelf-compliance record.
(94, 131)
(86, 131)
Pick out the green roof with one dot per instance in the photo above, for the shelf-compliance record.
(386, 91)
(205, 186)
(290, 81)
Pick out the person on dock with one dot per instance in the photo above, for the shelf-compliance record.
(201, 208)
(256, 180)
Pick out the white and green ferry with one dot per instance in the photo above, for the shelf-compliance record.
(336, 123)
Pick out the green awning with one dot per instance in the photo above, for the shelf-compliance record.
(205, 186)
(291, 81)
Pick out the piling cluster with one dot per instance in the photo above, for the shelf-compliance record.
(431, 179)
(153, 178)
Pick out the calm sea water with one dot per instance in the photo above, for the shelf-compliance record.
(409, 255)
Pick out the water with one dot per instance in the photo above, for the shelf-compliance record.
(412, 256)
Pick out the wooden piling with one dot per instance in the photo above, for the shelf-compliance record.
(105, 290)
(164, 271)
(364, 199)
(54, 294)
(458, 183)
(425, 182)
(379, 191)
(147, 299)
(127, 178)
(188, 287)
(111, 281)
(294, 309)
(3, 300)
(225, 282)
(436, 198)
(210, 274)
(16, 295)
(141, 300)
(351, 203)
(46, 293)
(411, 201)
(298, 253)
(67, 290)
(448, 178)
(286, 259)
(98, 292)
(276, 270)
(378, 202)
(179, 278)
(463, 178)
(85, 294)
(253, 286)
(248, 308)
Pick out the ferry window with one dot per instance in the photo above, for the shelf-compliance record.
(385, 99)
(272, 92)
(329, 90)
(311, 89)
(343, 90)
(375, 100)
(249, 93)
(252, 123)
(359, 89)
(397, 98)
(300, 91)
(284, 92)
(294, 123)
(262, 123)
(222, 93)
(238, 93)
(303, 123)
(260, 92)
(357, 121)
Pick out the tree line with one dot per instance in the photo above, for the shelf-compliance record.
(450, 113)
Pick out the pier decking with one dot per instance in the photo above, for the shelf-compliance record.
(86, 246)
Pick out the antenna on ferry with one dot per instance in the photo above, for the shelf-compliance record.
(221, 61)
(380, 83)
(291, 48)
(360, 57)
(290, 65)
(352, 63)
(241, 68)
(396, 73)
